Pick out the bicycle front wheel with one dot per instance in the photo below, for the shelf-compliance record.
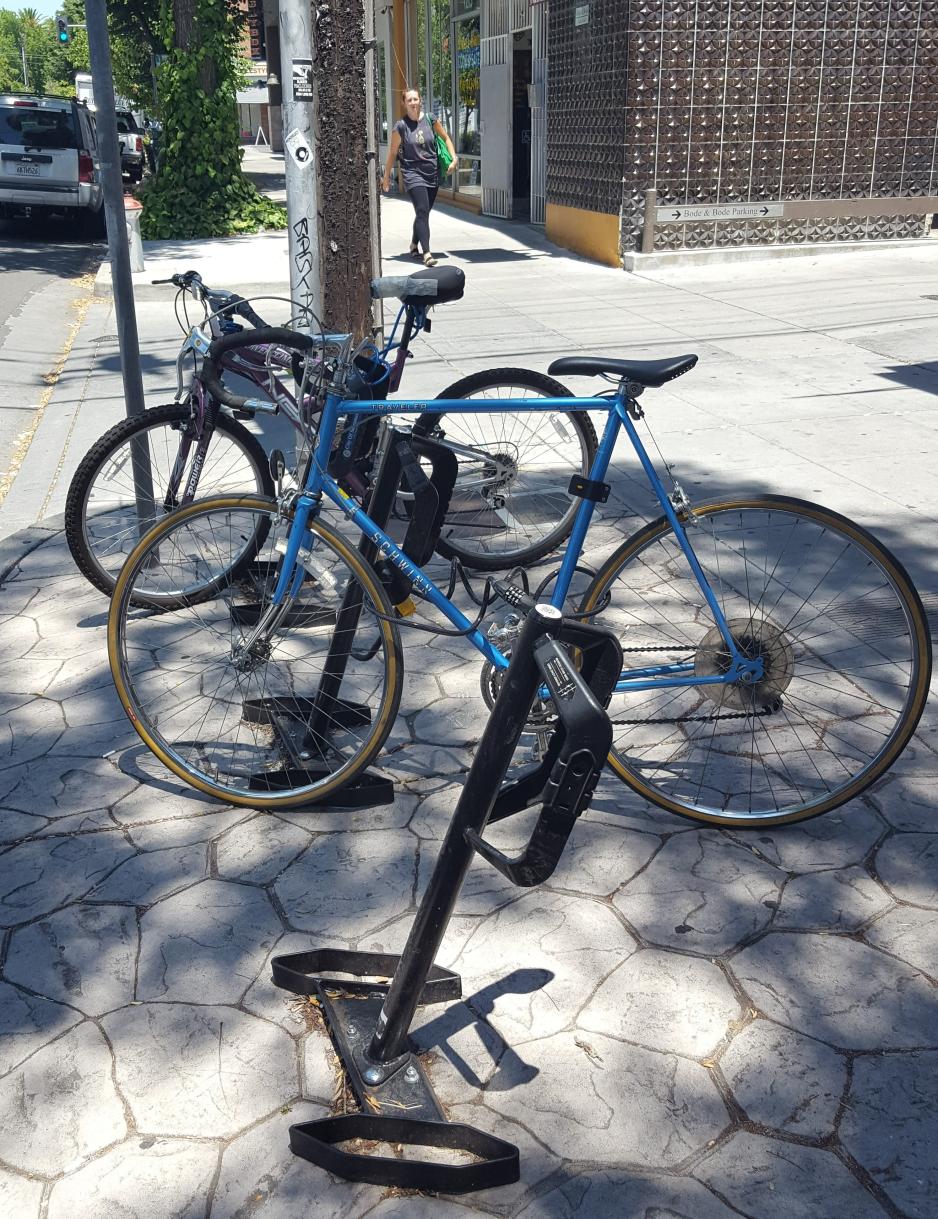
(258, 713)
(103, 519)
(511, 504)
(842, 636)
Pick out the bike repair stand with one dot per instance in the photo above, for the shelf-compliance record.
(369, 1020)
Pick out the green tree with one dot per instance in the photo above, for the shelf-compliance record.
(27, 47)
(199, 189)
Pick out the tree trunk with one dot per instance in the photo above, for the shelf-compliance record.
(184, 21)
(347, 172)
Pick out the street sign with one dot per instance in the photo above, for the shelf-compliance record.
(677, 213)
(581, 14)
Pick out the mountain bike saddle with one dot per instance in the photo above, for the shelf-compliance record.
(434, 286)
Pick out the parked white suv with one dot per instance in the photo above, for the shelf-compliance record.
(49, 160)
(131, 142)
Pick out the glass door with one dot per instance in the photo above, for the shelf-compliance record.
(467, 137)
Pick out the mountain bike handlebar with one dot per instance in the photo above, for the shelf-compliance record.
(218, 299)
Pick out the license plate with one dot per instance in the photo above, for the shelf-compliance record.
(29, 171)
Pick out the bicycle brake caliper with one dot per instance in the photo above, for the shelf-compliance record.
(681, 503)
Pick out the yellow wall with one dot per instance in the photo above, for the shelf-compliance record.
(593, 234)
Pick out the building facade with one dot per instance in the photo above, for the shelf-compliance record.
(753, 122)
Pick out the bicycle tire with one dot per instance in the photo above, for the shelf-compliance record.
(825, 722)
(581, 439)
(179, 672)
(99, 557)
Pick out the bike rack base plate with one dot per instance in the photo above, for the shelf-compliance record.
(400, 1107)
(497, 1161)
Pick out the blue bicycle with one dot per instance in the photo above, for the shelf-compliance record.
(778, 656)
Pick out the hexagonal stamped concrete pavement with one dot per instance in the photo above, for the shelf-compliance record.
(682, 1022)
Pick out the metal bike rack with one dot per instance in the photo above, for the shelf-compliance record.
(301, 725)
(368, 1020)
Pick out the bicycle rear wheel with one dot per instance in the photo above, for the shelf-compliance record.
(238, 714)
(842, 635)
(102, 522)
(510, 506)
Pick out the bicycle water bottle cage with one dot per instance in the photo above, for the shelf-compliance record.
(567, 776)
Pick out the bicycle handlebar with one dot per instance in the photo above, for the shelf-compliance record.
(219, 300)
(210, 375)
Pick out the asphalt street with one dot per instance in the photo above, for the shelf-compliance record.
(45, 277)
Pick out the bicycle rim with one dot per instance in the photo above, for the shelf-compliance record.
(843, 639)
(511, 503)
(112, 520)
(234, 715)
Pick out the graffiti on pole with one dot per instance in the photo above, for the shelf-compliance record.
(303, 265)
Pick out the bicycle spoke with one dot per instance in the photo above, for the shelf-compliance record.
(842, 664)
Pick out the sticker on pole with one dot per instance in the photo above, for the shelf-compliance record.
(302, 80)
(298, 148)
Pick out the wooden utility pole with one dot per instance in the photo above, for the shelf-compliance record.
(347, 153)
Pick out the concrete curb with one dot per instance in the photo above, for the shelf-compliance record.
(15, 548)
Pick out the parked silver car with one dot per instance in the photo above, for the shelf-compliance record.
(49, 160)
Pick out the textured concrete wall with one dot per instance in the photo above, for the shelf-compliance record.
(588, 66)
(738, 100)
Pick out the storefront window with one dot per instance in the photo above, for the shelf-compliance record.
(446, 37)
(421, 82)
(467, 86)
(441, 64)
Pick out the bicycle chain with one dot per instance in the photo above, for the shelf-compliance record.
(684, 719)
(690, 719)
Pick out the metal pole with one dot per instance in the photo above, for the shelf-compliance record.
(492, 759)
(299, 141)
(371, 119)
(99, 50)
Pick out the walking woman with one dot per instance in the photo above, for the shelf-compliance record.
(413, 141)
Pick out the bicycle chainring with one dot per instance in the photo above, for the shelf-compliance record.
(542, 717)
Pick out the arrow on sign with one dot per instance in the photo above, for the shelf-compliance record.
(676, 215)
(765, 211)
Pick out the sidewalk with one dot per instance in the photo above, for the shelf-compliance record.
(732, 1024)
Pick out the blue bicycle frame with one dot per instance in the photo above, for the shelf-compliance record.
(319, 483)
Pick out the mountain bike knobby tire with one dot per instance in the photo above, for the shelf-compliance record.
(100, 560)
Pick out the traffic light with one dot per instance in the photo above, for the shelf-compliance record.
(61, 29)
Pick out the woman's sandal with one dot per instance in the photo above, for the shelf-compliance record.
(429, 260)
(414, 250)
